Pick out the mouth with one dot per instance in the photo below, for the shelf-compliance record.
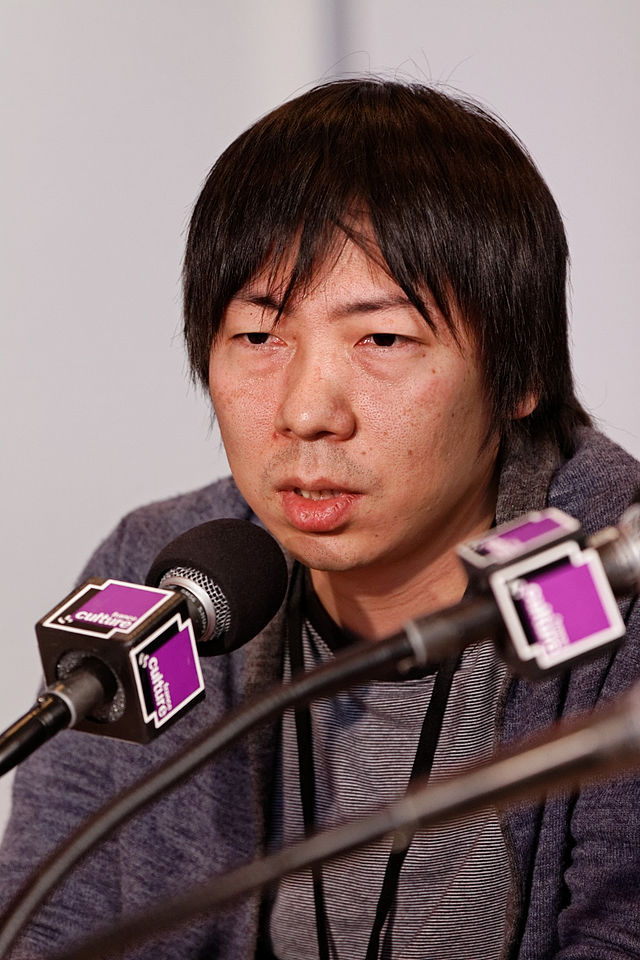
(318, 507)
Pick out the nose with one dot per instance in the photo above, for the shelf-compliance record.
(315, 401)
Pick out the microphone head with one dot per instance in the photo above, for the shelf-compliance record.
(234, 569)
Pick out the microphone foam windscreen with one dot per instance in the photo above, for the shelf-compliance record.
(243, 560)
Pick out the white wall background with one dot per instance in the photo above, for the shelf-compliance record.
(112, 112)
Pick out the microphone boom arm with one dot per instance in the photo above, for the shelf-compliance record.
(599, 745)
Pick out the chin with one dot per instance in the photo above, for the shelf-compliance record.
(328, 555)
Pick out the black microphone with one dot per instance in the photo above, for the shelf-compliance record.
(554, 588)
(234, 580)
(121, 659)
(541, 589)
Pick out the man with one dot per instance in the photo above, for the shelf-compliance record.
(375, 297)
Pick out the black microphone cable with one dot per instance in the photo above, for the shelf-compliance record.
(425, 641)
(57, 708)
(600, 745)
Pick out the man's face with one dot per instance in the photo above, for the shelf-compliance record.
(354, 432)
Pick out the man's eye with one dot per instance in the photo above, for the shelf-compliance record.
(257, 338)
(382, 339)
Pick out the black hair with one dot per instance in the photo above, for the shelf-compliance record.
(456, 206)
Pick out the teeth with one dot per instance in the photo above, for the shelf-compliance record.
(317, 494)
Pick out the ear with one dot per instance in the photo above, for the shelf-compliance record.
(526, 406)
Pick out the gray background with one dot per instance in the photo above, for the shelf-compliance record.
(112, 113)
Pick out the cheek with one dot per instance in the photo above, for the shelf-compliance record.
(433, 429)
(238, 413)
(416, 415)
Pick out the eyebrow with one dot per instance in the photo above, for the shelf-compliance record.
(370, 305)
(349, 307)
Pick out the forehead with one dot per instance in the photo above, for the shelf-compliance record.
(351, 276)
(343, 267)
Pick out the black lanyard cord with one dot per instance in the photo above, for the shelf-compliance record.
(422, 764)
(304, 738)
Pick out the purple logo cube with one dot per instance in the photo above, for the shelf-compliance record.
(557, 605)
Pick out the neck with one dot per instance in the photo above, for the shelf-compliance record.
(374, 606)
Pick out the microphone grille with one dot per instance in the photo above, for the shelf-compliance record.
(197, 582)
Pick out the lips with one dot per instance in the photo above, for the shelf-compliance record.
(318, 507)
